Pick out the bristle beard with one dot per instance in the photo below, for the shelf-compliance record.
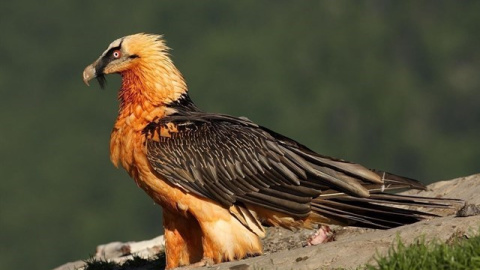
(102, 81)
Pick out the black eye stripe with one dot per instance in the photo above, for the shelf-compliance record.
(110, 52)
(105, 60)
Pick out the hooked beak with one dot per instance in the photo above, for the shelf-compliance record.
(89, 73)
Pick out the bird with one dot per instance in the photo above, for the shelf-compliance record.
(220, 179)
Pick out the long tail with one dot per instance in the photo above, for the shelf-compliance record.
(380, 210)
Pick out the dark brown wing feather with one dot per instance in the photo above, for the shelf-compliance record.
(232, 160)
(227, 161)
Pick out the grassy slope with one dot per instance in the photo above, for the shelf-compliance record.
(462, 254)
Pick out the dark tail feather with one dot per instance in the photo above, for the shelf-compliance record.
(393, 181)
(380, 210)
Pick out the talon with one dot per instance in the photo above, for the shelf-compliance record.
(201, 263)
(323, 235)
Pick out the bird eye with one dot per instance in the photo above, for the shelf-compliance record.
(116, 54)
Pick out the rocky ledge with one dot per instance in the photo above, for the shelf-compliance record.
(352, 247)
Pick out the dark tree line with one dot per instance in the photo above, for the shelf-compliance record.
(393, 85)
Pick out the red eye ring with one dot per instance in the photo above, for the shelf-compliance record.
(117, 54)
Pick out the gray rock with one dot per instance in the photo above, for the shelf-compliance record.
(284, 249)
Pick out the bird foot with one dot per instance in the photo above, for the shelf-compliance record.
(323, 235)
(203, 262)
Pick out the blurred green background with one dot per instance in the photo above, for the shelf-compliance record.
(393, 85)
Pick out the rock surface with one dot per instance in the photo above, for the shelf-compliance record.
(353, 247)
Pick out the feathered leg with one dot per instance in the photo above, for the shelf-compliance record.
(182, 240)
(224, 238)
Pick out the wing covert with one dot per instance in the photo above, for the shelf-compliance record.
(230, 160)
(226, 161)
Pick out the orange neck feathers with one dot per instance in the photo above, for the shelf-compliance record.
(149, 82)
(152, 78)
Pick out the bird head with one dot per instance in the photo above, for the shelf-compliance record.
(145, 66)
